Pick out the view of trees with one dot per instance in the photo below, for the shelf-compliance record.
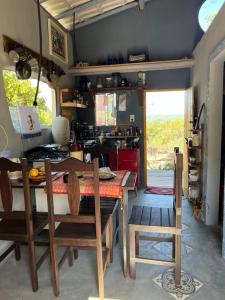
(21, 92)
(165, 134)
(162, 137)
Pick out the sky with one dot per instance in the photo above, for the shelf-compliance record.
(208, 8)
(165, 103)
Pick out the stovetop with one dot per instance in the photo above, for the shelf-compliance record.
(42, 152)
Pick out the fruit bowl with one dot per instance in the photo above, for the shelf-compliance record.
(37, 174)
(37, 178)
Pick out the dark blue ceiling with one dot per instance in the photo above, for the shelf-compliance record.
(167, 29)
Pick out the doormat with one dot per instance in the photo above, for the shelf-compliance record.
(188, 287)
(159, 190)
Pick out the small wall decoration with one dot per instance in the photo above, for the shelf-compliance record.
(57, 41)
(29, 121)
(123, 102)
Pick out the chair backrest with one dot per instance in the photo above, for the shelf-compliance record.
(177, 177)
(178, 170)
(71, 166)
(6, 198)
(177, 203)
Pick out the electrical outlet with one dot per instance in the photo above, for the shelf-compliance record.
(132, 118)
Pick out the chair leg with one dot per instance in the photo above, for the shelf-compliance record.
(109, 241)
(33, 265)
(178, 259)
(75, 253)
(17, 251)
(132, 253)
(71, 256)
(117, 224)
(173, 246)
(137, 243)
(100, 271)
(135, 190)
(55, 270)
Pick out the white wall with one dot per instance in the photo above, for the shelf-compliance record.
(207, 80)
(19, 21)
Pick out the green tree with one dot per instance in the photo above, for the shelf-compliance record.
(165, 135)
(21, 92)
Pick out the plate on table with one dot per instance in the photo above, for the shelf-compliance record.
(106, 176)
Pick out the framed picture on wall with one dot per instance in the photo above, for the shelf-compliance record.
(57, 41)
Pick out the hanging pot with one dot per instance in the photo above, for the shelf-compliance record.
(23, 70)
(34, 64)
(17, 54)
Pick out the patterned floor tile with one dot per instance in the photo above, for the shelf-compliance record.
(188, 287)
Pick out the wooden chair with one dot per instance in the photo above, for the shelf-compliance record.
(161, 221)
(20, 226)
(107, 205)
(76, 230)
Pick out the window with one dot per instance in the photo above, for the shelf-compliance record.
(105, 109)
(22, 92)
(208, 11)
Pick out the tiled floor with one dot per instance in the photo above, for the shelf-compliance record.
(201, 257)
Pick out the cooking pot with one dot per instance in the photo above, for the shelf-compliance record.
(23, 70)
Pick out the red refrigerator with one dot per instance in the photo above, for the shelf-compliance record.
(128, 159)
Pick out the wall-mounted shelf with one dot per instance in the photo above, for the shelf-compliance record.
(66, 99)
(197, 152)
(73, 104)
(122, 137)
(194, 165)
(118, 89)
(133, 67)
(194, 147)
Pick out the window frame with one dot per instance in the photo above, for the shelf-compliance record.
(115, 106)
(42, 79)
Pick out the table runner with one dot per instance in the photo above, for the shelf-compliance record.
(108, 188)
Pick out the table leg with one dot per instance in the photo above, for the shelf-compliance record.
(124, 209)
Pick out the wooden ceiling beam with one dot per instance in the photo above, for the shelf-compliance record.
(108, 14)
(79, 9)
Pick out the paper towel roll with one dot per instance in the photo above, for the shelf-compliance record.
(77, 154)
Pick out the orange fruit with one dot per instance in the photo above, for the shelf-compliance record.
(33, 173)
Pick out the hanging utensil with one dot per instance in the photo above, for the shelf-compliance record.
(23, 70)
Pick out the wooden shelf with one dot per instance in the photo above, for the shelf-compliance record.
(116, 89)
(194, 147)
(133, 67)
(72, 104)
(199, 155)
(69, 94)
(194, 183)
(195, 130)
(194, 165)
(122, 137)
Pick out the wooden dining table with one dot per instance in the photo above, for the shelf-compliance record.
(117, 187)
